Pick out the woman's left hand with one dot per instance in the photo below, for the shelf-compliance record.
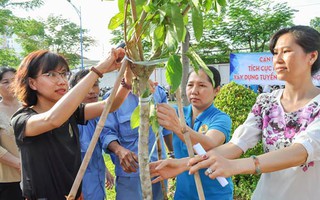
(168, 118)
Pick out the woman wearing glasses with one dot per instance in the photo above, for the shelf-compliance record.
(46, 127)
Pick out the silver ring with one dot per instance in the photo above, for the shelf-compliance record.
(209, 171)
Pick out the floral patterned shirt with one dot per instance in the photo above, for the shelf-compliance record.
(279, 129)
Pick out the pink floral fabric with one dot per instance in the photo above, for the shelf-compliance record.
(278, 129)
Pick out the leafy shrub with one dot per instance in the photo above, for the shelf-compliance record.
(237, 101)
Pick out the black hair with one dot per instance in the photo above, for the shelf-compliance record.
(75, 78)
(216, 76)
(38, 61)
(306, 37)
(4, 70)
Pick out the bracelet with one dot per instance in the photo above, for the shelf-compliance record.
(171, 154)
(93, 69)
(256, 164)
(123, 83)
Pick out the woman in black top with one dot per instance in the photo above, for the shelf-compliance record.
(46, 127)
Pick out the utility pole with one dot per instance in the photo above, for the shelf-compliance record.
(78, 11)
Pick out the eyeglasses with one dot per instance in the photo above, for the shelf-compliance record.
(54, 75)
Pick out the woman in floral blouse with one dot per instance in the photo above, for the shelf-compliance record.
(287, 121)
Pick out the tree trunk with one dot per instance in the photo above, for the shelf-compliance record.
(185, 71)
(143, 150)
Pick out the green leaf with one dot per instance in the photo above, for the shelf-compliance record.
(198, 63)
(177, 20)
(158, 36)
(154, 124)
(135, 118)
(197, 23)
(150, 8)
(116, 21)
(207, 5)
(174, 72)
(146, 93)
(121, 6)
(196, 3)
(222, 2)
(172, 43)
(215, 5)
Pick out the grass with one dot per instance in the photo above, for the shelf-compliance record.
(111, 194)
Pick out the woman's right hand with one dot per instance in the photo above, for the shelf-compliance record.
(168, 118)
(111, 63)
(219, 165)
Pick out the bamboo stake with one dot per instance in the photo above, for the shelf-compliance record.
(163, 185)
(187, 140)
(93, 142)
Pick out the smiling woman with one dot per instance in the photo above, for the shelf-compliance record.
(46, 126)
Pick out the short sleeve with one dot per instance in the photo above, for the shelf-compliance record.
(310, 139)
(246, 137)
(19, 121)
(222, 123)
(79, 113)
(248, 134)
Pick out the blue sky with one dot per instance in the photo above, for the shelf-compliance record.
(96, 15)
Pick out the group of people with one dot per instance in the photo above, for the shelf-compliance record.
(45, 129)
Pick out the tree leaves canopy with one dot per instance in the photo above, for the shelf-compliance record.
(241, 27)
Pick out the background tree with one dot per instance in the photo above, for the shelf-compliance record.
(54, 33)
(241, 27)
(8, 57)
(62, 36)
(315, 23)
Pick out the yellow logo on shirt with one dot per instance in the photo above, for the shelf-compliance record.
(203, 129)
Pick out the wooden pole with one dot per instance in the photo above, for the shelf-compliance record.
(93, 142)
(187, 140)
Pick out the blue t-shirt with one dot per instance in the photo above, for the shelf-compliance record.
(211, 118)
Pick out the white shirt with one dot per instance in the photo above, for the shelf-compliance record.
(278, 129)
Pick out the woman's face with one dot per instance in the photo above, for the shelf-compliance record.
(200, 91)
(93, 94)
(52, 85)
(289, 59)
(5, 83)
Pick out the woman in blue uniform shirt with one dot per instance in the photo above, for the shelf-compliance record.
(207, 125)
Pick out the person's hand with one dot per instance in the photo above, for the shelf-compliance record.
(219, 165)
(169, 168)
(168, 118)
(112, 62)
(152, 85)
(109, 180)
(128, 160)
